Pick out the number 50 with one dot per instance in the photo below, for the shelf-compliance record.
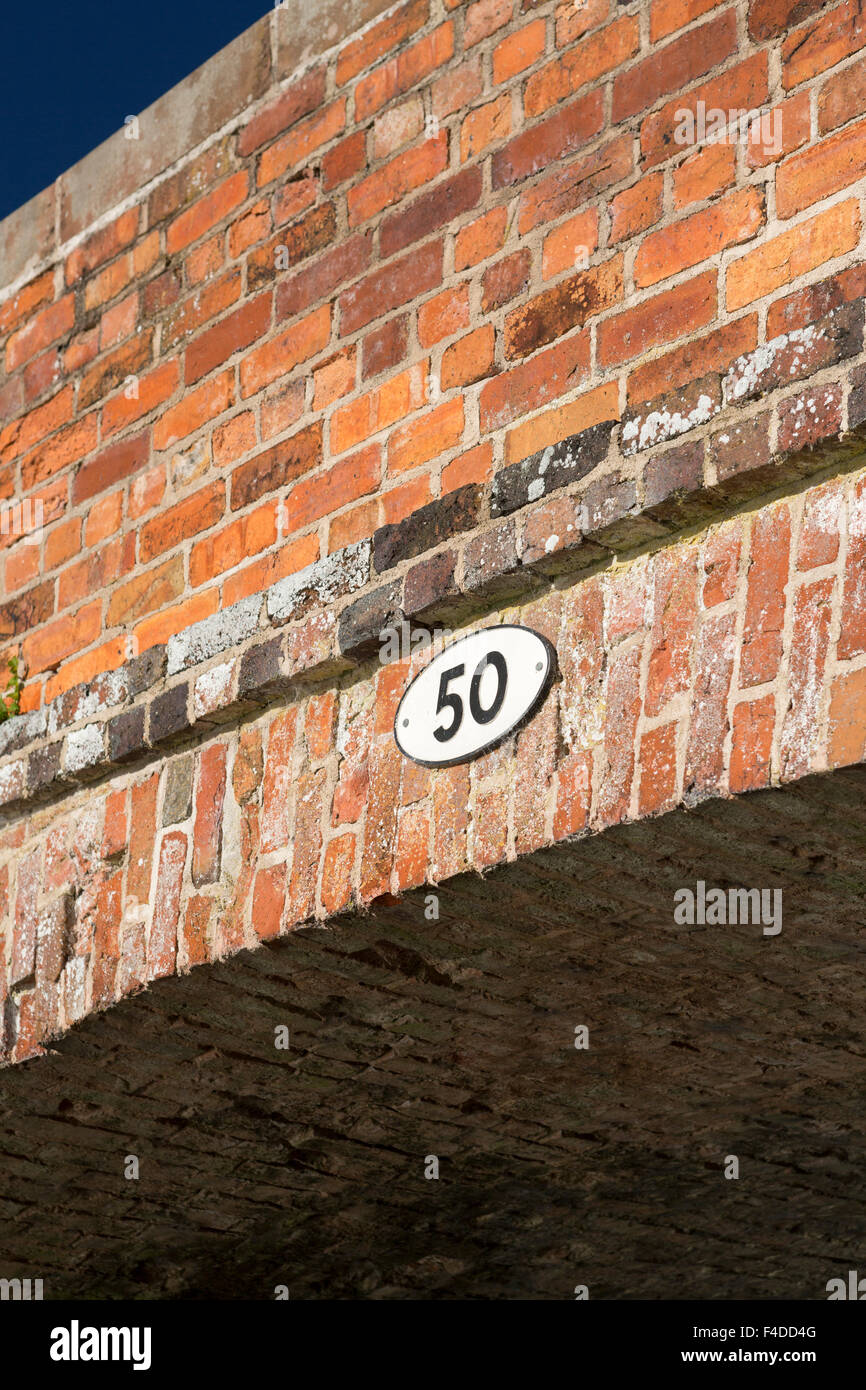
(448, 699)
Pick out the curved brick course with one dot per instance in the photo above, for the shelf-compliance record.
(436, 315)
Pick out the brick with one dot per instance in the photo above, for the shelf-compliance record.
(468, 360)
(752, 743)
(407, 171)
(290, 246)
(326, 492)
(113, 369)
(697, 358)
(485, 126)
(111, 466)
(414, 274)
(658, 770)
(154, 388)
(196, 513)
(771, 19)
(380, 38)
(207, 828)
(480, 239)
(236, 331)
(847, 719)
(338, 868)
(505, 279)
(714, 660)
(597, 55)
(443, 316)
(824, 43)
(570, 245)
(793, 254)
(674, 600)
(456, 512)
(574, 183)
(316, 281)
(662, 319)
(484, 18)
(282, 354)
(44, 327)
(822, 169)
(427, 438)
(295, 101)
(765, 597)
(807, 419)
(292, 150)
(410, 66)
(397, 127)
(533, 384)
(552, 139)
(385, 347)
(568, 305)
(344, 160)
(554, 426)
(168, 717)
(395, 399)
(214, 207)
(674, 66)
(704, 235)
(194, 410)
(442, 205)
(743, 87)
(807, 676)
(162, 944)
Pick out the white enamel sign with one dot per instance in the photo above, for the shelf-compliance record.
(473, 694)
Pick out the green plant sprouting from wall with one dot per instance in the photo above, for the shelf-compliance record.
(10, 704)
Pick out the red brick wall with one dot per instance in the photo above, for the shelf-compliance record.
(445, 317)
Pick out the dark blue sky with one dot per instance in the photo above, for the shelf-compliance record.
(73, 69)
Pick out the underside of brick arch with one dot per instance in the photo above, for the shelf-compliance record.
(412, 1037)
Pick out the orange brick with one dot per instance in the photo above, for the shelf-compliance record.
(484, 126)
(443, 315)
(481, 238)
(334, 378)
(421, 440)
(665, 317)
(196, 513)
(570, 245)
(290, 152)
(194, 410)
(152, 390)
(705, 174)
(519, 51)
(401, 501)
(229, 547)
(591, 59)
(407, 171)
(681, 245)
(155, 630)
(328, 491)
(475, 466)
(396, 398)
(279, 356)
(822, 169)
(484, 18)
(469, 359)
(207, 212)
(794, 253)
(555, 425)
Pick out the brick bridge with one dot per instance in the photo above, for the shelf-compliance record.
(308, 359)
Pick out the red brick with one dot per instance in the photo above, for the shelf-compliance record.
(291, 151)
(162, 945)
(327, 492)
(207, 828)
(765, 597)
(674, 66)
(282, 354)
(824, 43)
(505, 279)
(484, 18)
(658, 770)
(237, 330)
(807, 676)
(567, 305)
(196, 513)
(705, 174)
(394, 180)
(480, 239)
(742, 87)
(391, 287)
(410, 66)
(703, 236)
(214, 207)
(194, 410)
(569, 245)
(277, 782)
(380, 38)
(44, 327)
(552, 139)
(338, 873)
(532, 384)
(295, 101)
(468, 360)
(752, 744)
(595, 56)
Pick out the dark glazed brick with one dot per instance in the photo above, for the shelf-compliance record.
(492, 567)
(144, 671)
(361, 622)
(43, 768)
(857, 400)
(178, 790)
(168, 715)
(669, 478)
(551, 468)
(667, 417)
(428, 527)
(428, 583)
(261, 673)
(126, 735)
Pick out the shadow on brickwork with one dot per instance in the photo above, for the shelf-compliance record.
(454, 1038)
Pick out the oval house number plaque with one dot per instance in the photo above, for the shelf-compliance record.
(473, 694)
